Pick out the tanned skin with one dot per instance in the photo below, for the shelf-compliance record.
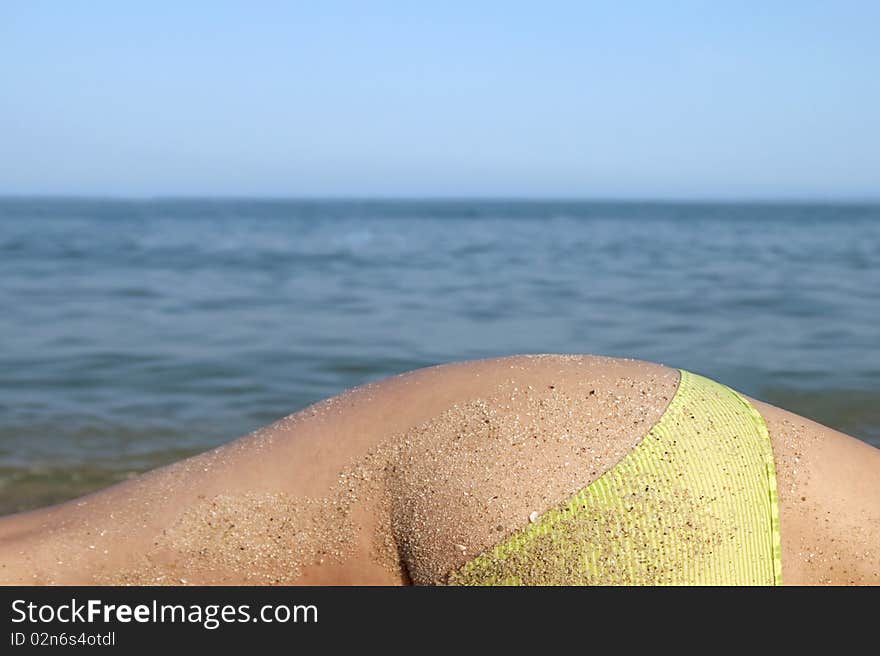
(829, 484)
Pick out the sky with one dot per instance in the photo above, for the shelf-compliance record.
(691, 100)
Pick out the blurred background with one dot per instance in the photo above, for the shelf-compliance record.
(214, 215)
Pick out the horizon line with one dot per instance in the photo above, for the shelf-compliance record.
(427, 198)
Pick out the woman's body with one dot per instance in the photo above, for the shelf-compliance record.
(408, 479)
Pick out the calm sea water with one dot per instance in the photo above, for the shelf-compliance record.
(133, 333)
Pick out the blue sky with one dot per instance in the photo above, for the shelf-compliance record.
(575, 99)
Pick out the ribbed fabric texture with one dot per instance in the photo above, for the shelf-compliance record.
(694, 503)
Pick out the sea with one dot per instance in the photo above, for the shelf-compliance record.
(135, 332)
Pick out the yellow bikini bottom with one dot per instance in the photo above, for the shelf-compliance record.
(694, 503)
